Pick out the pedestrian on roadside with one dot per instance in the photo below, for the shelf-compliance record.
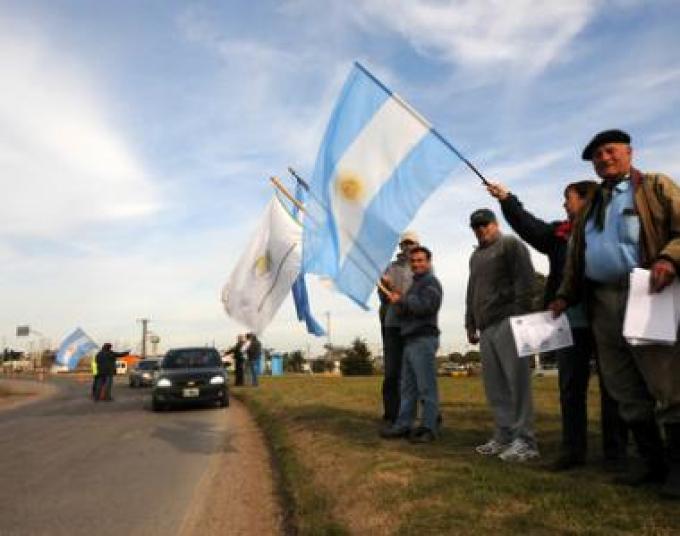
(397, 278)
(239, 359)
(418, 310)
(106, 367)
(633, 221)
(95, 379)
(253, 353)
(573, 362)
(499, 286)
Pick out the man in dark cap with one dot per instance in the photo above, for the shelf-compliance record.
(500, 285)
(633, 221)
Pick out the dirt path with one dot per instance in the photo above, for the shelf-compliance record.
(237, 495)
(17, 392)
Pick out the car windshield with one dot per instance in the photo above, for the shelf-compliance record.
(198, 358)
(147, 365)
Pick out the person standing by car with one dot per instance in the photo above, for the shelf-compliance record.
(106, 366)
(253, 352)
(237, 351)
(551, 239)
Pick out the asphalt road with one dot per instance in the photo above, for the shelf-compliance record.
(72, 466)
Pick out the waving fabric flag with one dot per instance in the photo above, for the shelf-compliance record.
(378, 162)
(265, 273)
(73, 348)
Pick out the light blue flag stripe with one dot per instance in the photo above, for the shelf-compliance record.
(363, 98)
(390, 211)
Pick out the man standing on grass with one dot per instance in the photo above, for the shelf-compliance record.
(633, 221)
(551, 239)
(500, 285)
(417, 311)
(253, 351)
(397, 277)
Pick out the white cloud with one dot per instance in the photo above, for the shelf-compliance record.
(520, 33)
(63, 162)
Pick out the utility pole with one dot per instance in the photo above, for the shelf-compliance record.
(145, 323)
(328, 334)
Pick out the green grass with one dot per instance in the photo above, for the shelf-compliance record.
(337, 476)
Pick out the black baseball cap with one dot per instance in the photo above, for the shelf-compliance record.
(606, 136)
(482, 216)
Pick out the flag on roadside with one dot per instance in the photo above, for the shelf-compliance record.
(73, 348)
(264, 275)
(300, 295)
(378, 162)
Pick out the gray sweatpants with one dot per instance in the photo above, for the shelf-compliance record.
(507, 383)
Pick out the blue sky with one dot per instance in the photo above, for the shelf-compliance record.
(136, 138)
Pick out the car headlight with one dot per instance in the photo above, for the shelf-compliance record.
(146, 375)
(163, 382)
(217, 380)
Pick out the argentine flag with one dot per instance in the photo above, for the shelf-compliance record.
(73, 348)
(378, 162)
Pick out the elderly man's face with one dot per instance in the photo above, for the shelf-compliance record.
(612, 160)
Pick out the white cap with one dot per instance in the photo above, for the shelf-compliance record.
(409, 235)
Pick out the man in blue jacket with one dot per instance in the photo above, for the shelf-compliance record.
(573, 363)
(418, 310)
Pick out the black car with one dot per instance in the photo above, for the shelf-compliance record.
(190, 375)
(143, 372)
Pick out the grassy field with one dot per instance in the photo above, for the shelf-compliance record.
(339, 477)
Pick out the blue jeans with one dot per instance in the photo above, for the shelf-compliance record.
(252, 367)
(419, 382)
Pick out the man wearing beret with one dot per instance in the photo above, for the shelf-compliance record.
(499, 286)
(632, 221)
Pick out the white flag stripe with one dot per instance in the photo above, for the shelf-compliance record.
(396, 132)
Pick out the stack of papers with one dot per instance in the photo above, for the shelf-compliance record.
(540, 332)
(651, 318)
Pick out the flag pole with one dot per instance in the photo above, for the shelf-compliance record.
(281, 188)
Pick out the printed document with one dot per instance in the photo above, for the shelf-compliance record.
(651, 318)
(540, 332)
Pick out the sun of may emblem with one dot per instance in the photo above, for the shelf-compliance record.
(349, 185)
(263, 264)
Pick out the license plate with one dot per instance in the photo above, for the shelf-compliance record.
(190, 393)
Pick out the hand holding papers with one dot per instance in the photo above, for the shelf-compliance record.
(651, 318)
(540, 332)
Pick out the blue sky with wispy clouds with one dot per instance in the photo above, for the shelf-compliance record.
(136, 138)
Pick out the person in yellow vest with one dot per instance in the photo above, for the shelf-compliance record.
(95, 379)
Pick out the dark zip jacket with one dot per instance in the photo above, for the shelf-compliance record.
(551, 239)
(419, 307)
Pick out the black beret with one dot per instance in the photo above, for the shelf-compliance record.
(482, 216)
(606, 136)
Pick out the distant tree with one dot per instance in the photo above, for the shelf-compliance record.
(473, 356)
(456, 357)
(357, 360)
(318, 366)
(294, 361)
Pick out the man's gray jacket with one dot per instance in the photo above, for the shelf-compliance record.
(500, 283)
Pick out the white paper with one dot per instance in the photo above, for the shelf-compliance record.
(540, 332)
(651, 318)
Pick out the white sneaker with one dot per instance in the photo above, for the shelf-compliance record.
(491, 448)
(519, 451)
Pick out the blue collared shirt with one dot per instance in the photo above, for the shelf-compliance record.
(613, 252)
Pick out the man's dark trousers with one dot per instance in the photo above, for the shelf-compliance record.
(239, 371)
(574, 373)
(393, 351)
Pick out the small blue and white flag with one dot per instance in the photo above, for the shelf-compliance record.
(378, 162)
(74, 347)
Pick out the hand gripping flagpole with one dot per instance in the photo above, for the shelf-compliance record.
(281, 188)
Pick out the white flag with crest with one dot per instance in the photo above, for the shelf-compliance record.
(265, 273)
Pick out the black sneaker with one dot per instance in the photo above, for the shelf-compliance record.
(566, 462)
(394, 433)
(422, 435)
